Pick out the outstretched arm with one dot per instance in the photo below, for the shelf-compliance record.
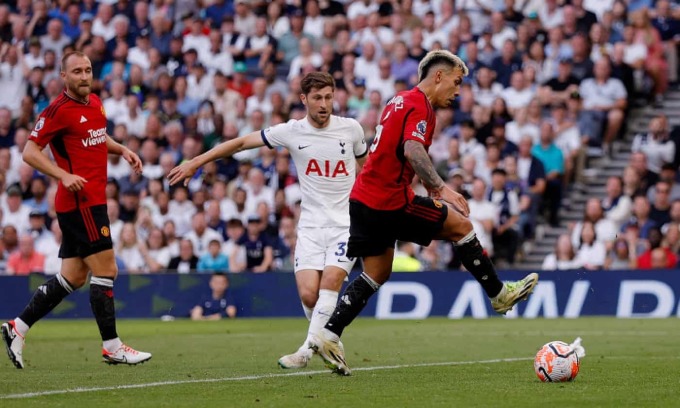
(417, 156)
(187, 169)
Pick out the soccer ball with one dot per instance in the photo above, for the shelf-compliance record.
(556, 361)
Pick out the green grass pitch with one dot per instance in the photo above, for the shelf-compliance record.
(435, 362)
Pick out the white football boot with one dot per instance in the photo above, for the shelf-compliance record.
(125, 355)
(329, 347)
(299, 359)
(14, 343)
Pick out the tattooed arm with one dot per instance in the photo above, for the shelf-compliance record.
(422, 164)
(416, 154)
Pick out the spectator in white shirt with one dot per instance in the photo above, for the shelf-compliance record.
(103, 23)
(258, 100)
(500, 32)
(200, 235)
(199, 83)
(485, 213)
(518, 95)
(656, 144)
(116, 105)
(139, 54)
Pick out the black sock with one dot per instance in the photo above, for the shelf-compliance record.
(103, 308)
(476, 261)
(351, 303)
(46, 298)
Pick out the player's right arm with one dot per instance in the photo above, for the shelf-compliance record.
(421, 163)
(187, 169)
(34, 156)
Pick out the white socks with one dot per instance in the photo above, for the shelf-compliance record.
(21, 327)
(112, 345)
(308, 311)
(322, 312)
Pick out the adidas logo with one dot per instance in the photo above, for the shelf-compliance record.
(83, 119)
(346, 300)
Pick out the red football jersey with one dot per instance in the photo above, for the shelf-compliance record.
(76, 133)
(385, 180)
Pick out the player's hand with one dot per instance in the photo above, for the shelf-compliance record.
(134, 160)
(184, 171)
(455, 199)
(73, 183)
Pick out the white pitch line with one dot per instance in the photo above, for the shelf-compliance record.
(251, 377)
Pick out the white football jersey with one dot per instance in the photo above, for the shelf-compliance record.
(326, 165)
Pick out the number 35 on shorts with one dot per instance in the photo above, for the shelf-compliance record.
(342, 250)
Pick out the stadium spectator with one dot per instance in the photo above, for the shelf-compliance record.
(219, 305)
(506, 238)
(563, 257)
(127, 249)
(258, 247)
(14, 210)
(200, 235)
(616, 204)
(213, 260)
(26, 259)
(186, 261)
(591, 253)
(656, 145)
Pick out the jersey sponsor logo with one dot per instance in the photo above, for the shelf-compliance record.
(323, 169)
(97, 136)
(421, 127)
(40, 124)
(83, 119)
(105, 231)
(303, 147)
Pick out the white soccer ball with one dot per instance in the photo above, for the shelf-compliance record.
(557, 361)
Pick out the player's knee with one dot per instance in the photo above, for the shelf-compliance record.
(309, 297)
(458, 230)
(77, 282)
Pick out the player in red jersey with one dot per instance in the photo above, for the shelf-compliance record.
(384, 208)
(74, 126)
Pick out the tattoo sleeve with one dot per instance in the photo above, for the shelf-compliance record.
(422, 164)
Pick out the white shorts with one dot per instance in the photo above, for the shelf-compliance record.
(317, 248)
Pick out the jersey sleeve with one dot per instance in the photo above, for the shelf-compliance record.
(359, 140)
(416, 127)
(45, 130)
(278, 135)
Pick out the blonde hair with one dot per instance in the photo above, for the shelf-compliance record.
(440, 57)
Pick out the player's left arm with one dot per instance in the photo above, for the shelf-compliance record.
(131, 157)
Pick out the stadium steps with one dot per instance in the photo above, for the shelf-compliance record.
(598, 171)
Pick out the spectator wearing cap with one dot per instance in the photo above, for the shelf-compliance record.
(15, 212)
(38, 229)
(258, 247)
(26, 260)
(139, 54)
(288, 46)
(260, 47)
(357, 101)
(239, 82)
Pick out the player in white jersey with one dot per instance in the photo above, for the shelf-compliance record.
(328, 151)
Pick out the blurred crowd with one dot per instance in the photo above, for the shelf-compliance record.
(550, 80)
